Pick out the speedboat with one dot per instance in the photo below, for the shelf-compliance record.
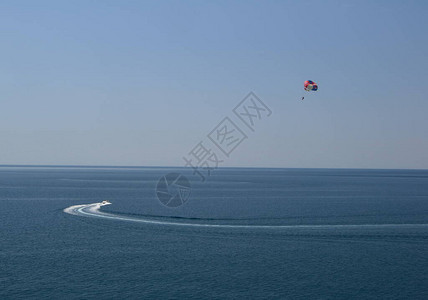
(105, 202)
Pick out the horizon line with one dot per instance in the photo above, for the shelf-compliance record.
(183, 167)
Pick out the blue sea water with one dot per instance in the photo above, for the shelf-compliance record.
(243, 234)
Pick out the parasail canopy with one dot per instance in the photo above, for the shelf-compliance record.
(310, 86)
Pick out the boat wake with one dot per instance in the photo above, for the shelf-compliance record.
(93, 210)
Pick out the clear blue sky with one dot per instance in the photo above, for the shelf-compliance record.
(142, 82)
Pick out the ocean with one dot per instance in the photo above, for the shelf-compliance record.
(243, 233)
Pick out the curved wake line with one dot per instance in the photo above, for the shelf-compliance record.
(93, 210)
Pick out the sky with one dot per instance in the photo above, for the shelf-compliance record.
(141, 83)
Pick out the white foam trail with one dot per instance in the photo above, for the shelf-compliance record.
(72, 209)
(93, 210)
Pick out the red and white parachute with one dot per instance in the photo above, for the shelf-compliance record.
(309, 85)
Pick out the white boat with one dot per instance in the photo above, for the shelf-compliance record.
(105, 202)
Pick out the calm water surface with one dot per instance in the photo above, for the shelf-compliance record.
(46, 253)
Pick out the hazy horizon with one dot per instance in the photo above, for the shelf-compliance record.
(184, 167)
